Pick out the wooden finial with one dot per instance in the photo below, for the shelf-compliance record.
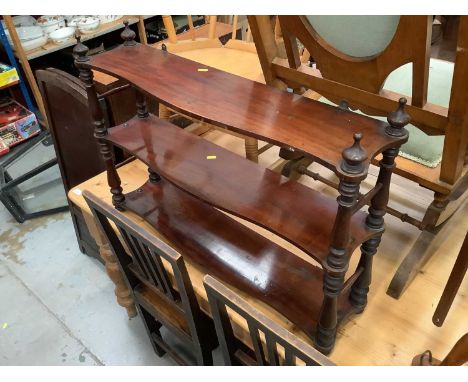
(128, 35)
(397, 120)
(80, 51)
(354, 156)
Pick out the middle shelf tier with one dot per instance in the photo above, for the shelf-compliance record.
(220, 178)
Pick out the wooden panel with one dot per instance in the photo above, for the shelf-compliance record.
(285, 207)
(244, 106)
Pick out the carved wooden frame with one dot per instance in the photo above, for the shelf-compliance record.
(449, 180)
(363, 89)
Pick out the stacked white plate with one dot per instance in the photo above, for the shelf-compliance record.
(31, 37)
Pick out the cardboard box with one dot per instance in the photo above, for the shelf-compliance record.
(17, 124)
(8, 75)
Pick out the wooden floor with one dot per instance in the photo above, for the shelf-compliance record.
(391, 332)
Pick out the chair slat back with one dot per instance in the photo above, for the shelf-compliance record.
(221, 298)
(150, 265)
(211, 33)
(150, 262)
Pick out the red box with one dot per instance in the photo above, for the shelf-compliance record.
(17, 124)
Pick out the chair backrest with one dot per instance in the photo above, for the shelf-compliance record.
(205, 36)
(66, 105)
(359, 80)
(276, 337)
(149, 262)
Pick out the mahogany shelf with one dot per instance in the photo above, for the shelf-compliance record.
(236, 185)
(247, 107)
(235, 254)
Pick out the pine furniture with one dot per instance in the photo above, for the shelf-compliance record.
(359, 82)
(188, 177)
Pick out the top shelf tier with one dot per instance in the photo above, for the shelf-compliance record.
(244, 106)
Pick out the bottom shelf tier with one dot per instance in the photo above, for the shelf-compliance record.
(235, 254)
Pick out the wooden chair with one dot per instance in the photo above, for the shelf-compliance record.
(359, 82)
(235, 56)
(235, 352)
(162, 296)
(65, 102)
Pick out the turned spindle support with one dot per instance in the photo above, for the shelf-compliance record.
(375, 220)
(142, 112)
(352, 170)
(80, 52)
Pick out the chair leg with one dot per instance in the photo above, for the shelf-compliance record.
(204, 356)
(419, 253)
(290, 169)
(251, 149)
(157, 349)
(453, 284)
(152, 327)
(360, 288)
(411, 264)
(164, 112)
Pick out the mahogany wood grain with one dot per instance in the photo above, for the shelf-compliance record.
(245, 106)
(291, 210)
(235, 254)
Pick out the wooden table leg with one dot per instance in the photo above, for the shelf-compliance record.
(164, 112)
(251, 149)
(123, 294)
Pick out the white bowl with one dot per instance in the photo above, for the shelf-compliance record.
(88, 24)
(34, 44)
(62, 35)
(109, 18)
(24, 21)
(29, 33)
(69, 18)
(74, 21)
(51, 23)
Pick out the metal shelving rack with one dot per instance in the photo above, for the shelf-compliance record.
(24, 57)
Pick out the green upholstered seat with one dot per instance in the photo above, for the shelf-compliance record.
(363, 36)
(421, 147)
